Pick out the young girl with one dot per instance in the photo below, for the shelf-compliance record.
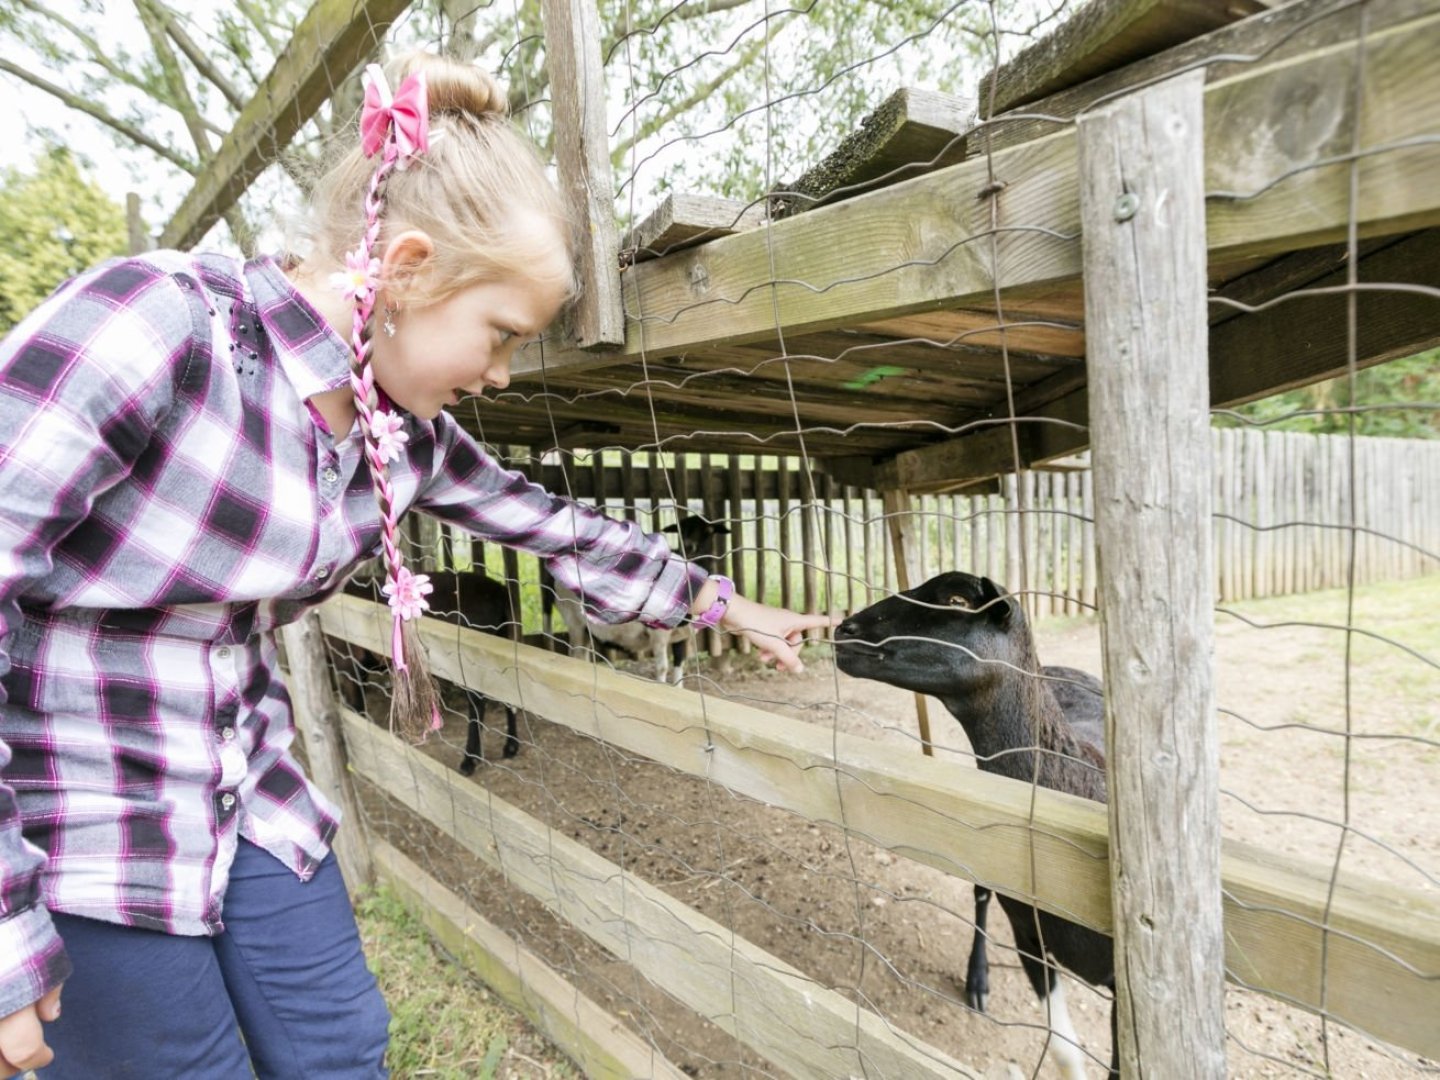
(192, 452)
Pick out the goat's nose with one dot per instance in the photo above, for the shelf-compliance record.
(847, 629)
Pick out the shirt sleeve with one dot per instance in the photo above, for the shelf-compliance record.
(85, 380)
(621, 571)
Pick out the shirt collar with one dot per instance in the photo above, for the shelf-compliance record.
(314, 357)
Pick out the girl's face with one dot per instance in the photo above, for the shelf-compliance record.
(464, 343)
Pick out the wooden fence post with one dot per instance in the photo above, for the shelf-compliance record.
(317, 718)
(905, 544)
(1142, 197)
(582, 162)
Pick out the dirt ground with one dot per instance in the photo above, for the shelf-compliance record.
(896, 933)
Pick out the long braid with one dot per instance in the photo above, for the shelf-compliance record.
(414, 704)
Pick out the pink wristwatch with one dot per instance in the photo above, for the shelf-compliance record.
(712, 615)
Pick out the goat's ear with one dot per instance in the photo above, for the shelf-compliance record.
(672, 527)
(720, 530)
(996, 601)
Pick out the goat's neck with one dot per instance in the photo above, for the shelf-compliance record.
(1013, 716)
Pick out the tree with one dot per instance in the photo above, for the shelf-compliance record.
(726, 97)
(54, 222)
(1400, 399)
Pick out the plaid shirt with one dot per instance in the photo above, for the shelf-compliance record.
(168, 501)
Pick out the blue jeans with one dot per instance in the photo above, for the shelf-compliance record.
(287, 975)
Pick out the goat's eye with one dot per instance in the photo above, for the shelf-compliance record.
(960, 602)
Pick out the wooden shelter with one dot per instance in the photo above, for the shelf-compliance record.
(1166, 206)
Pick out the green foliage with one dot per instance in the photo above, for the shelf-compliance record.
(54, 222)
(1399, 399)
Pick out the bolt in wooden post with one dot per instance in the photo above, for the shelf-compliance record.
(1142, 198)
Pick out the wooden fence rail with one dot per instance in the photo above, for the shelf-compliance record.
(1367, 953)
(1282, 522)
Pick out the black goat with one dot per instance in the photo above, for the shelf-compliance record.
(962, 639)
(482, 604)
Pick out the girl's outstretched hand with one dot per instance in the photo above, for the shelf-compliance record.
(777, 632)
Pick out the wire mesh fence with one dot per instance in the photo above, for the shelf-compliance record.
(842, 290)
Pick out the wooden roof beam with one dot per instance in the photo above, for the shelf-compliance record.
(1298, 340)
(330, 42)
(925, 244)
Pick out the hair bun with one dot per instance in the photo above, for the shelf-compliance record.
(453, 86)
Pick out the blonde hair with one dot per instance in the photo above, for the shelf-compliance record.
(467, 192)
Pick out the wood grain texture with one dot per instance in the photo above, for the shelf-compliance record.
(1099, 37)
(1143, 212)
(582, 162)
(596, 1040)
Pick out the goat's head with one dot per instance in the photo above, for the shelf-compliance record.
(697, 538)
(935, 639)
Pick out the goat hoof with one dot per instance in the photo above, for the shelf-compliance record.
(975, 997)
(468, 763)
(512, 748)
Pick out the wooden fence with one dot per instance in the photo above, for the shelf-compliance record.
(1363, 951)
(1282, 512)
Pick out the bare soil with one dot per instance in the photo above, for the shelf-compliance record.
(895, 933)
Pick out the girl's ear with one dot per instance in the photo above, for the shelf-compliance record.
(405, 257)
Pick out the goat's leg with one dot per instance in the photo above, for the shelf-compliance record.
(512, 740)
(977, 971)
(474, 752)
(1114, 1034)
(1045, 980)
(677, 661)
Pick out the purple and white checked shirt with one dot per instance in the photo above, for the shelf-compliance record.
(167, 501)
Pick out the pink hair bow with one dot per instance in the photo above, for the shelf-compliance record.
(408, 109)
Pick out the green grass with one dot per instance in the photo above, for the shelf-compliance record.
(443, 1023)
(1402, 615)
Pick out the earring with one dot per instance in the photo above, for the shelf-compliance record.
(390, 313)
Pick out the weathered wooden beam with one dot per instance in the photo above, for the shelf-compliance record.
(926, 244)
(693, 958)
(1300, 338)
(912, 131)
(1100, 36)
(594, 1038)
(682, 221)
(582, 162)
(331, 41)
(1283, 32)
(1380, 943)
(1142, 201)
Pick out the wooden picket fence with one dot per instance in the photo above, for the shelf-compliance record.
(1284, 522)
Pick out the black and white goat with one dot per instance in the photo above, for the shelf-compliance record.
(665, 648)
(480, 603)
(964, 640)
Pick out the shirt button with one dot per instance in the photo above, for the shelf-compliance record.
(330, 476)
(227, 801)
(224, 653)
(322, 573)
(228, 734)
